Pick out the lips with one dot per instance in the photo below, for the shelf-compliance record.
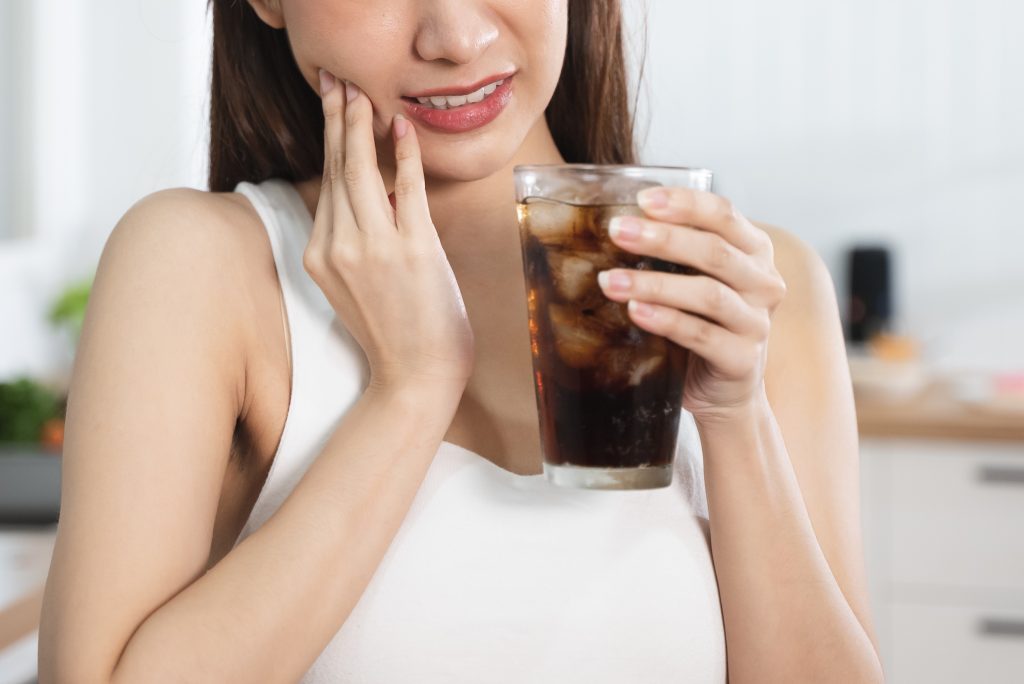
(452, 109)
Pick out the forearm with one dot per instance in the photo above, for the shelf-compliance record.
(786, 619)
(269, 607)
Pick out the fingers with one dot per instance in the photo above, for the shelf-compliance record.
(704, 210)
(333, 193)
(707, 252)
(411, 210)
(362, 177)
(732, 354)
(696, 294)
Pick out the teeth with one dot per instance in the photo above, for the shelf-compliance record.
(449, 101)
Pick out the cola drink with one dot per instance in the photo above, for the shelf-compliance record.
(609, 394)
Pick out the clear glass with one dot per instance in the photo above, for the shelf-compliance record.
(609, 394)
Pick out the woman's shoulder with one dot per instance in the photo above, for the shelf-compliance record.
(807, 278)
(793, 254)
(217, 220)
(200, 239)
(218, 231)
(807, 324)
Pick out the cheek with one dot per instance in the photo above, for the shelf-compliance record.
(543, 33)
(334, 36)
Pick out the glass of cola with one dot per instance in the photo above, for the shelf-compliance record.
(609, 394)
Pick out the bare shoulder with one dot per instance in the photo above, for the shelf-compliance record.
(797, 261)
(214, 236)
(190, 218)
(217, 240)
(180, 248)
(204, 250)
(810, 290)
(806, 326)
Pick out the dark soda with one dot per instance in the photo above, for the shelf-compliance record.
(609, 394)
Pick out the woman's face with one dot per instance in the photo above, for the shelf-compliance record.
(398, 51)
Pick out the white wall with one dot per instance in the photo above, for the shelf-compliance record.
(896, 120)
(840, 120)
(118, 92)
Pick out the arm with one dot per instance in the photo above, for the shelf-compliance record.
(782, 481)
(769, 387)
(127, 599)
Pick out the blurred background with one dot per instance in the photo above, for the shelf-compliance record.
(886, 133)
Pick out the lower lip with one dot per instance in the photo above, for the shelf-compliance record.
(467, 117)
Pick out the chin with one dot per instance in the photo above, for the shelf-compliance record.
(465, 161)
(441, 167)
(471, 157)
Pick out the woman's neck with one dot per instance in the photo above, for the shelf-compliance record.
(476, 220)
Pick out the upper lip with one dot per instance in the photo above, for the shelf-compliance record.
(463, 89)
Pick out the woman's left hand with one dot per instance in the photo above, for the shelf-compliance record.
(723, 316)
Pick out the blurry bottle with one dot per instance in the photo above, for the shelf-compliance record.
(869, 308)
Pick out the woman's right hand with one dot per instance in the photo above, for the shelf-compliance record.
(383, 269)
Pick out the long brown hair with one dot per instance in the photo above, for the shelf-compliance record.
(266, 122)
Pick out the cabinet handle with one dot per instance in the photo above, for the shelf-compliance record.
(1001, 627)
(1001, 474)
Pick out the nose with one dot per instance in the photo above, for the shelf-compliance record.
(457, 31)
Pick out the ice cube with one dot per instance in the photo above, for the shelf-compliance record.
(626, 366)
(644, 368)
(553, 223)
(577, 340)
(612, 317)
(600, 260)
(572, 275)
(615, 367)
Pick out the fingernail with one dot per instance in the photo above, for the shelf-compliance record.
(401, 125)
(326, 82)
(351, 92)
(640, 309)
(624, 228)
(614, 280)
(653, 198)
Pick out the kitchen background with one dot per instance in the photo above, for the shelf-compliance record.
(878, 122)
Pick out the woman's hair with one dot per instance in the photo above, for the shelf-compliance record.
(266, 122)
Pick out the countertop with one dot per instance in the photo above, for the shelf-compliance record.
(935, 412)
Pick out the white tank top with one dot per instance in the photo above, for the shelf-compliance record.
(495, 577)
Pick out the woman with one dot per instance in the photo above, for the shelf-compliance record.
(354, 494)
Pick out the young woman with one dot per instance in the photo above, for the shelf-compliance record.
(302, 438)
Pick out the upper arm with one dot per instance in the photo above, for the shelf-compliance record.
(155, 393)
(809, 389)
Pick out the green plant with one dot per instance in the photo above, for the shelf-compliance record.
(69, 308)
(25, 406)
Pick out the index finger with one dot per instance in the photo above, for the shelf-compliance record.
(705, 210)
(333, 193)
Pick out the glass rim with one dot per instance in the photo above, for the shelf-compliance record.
(615, 169)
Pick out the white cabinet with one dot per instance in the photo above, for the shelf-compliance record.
(944, 543)
(956, 643)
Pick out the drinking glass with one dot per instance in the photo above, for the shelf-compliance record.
(609, 394)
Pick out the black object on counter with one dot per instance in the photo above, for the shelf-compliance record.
(869, 309)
